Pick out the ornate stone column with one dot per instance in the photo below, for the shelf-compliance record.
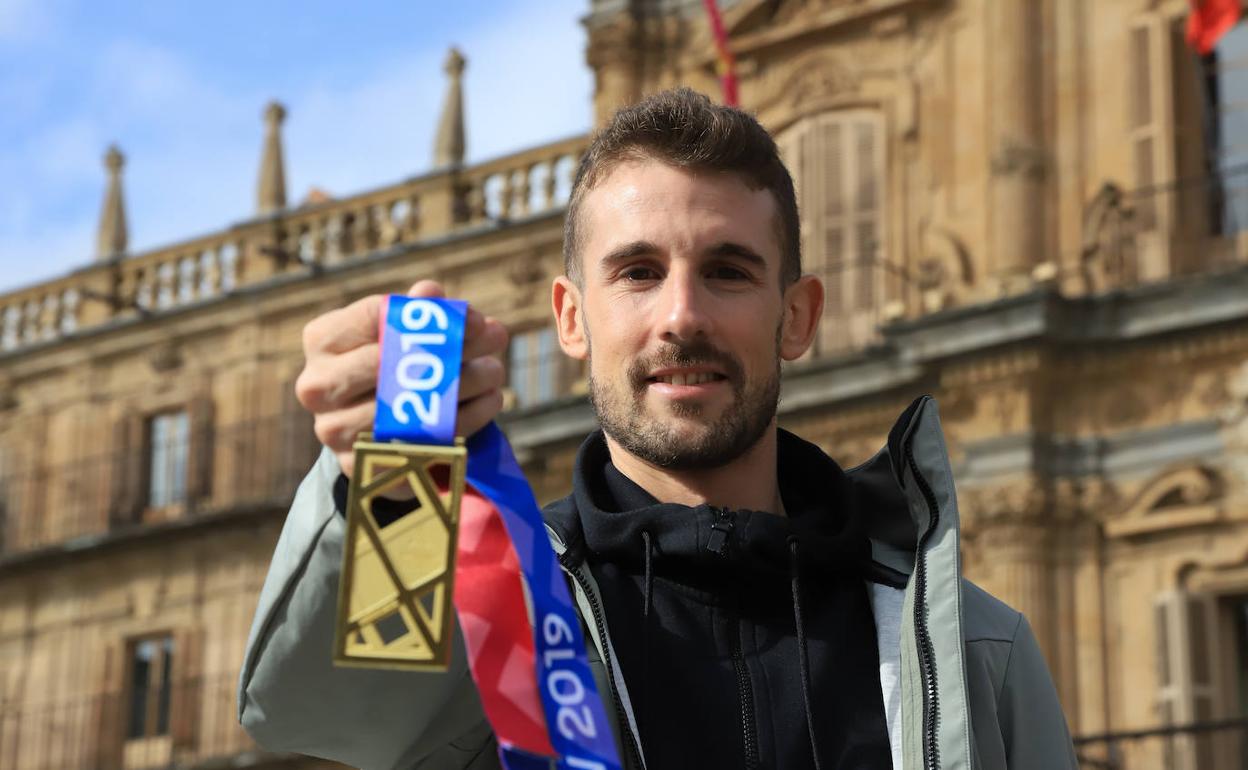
(1014, 544)
(614, 54)
(1023, 574)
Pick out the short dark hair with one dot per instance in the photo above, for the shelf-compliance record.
(683, 128)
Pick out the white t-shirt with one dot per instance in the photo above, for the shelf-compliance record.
(886, 606)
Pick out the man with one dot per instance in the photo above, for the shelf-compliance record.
(747, 603)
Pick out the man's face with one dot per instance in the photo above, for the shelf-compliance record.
(681, 313)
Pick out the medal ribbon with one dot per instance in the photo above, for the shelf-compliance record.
(535, 683)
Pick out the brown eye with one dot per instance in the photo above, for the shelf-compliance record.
(639, 273)
(728, 273)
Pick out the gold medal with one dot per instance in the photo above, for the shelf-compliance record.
(394, 598)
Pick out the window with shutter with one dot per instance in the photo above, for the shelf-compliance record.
(129, 468)
(155, 703)
(151, 681)
(200, 450)
(1187, 664)
(535, 367)
(1143, 125)
(168, 450)
(1230, 122)
(1236, 656)
(112, 706)
(6, 487)
(837, 161)
(186, 691)
(1184, 114)
(1192, 170)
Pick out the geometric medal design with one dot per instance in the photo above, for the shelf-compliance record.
(398, 568)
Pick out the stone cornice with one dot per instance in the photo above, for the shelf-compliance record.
(189, 527)
(1043, 316)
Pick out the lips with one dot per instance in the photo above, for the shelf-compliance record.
(686, 378)
(686, 370)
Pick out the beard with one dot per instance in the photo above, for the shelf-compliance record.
(661, 441)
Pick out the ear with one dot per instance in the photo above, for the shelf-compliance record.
(565, 300)
(803, 307)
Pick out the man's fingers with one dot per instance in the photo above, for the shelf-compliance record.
(426, 288)
(480, 375)
(339, 381)
(339, 429)
(332, 382)
(345, 328)
(475, 414)
(490, 340)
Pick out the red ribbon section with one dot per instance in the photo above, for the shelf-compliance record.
(490, 601)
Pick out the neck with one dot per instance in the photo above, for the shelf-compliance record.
(748, 481)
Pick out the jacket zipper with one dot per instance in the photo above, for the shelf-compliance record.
(927, 656)
(717, 542)
(745, 693)
(620, 714)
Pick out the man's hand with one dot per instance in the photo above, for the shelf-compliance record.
(339, 378)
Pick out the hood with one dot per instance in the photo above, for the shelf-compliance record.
(857, 520)
(607, 514)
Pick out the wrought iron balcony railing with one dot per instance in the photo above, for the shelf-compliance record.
(204, 472)
(192, 723)
(1215, 744)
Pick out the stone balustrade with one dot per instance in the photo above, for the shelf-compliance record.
(517, 186)
(312, 236)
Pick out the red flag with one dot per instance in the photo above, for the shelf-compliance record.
(727, 65)
(1209, 21)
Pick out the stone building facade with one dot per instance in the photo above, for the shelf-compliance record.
(1016, 205)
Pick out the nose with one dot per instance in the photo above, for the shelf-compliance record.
(683, 311)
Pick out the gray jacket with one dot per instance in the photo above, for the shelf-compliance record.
(975, 691)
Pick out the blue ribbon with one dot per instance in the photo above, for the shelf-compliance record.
(417, 394)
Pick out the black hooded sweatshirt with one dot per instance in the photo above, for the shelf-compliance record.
(746, 639)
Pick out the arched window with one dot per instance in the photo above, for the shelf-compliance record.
(837, 162)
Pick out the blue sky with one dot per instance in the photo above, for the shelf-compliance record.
(181, 86)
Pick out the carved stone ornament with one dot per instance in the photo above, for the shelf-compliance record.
(1107, 256)
(1020, 502)
(1184, 497)
(1014, 157)
(787, 16)
(809, 83)
(526, 270)
(945, 271)
(526, 274)
(1234, 419)
(165, 357)
(820, 79)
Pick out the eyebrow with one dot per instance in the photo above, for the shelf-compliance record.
(628, 251)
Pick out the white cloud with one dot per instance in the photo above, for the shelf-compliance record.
(193, 149)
